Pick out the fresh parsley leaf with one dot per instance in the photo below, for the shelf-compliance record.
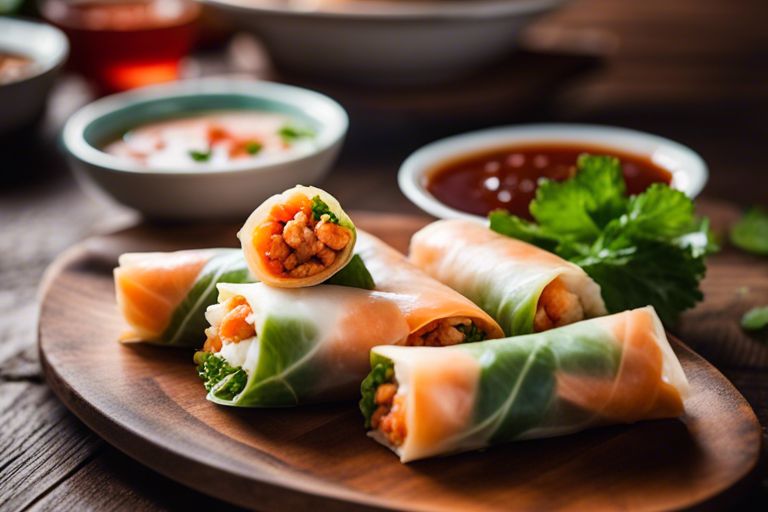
(219, 378)
(380, 373)
(751, 232)
(755, 319)
(200, 156)
(253, 147)
(472, 333)
(647, 272)
(320, 208)
(291, 133)
(643, 249)
(579, 208)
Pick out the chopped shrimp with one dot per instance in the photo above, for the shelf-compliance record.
(293, 243)
(440, 333)
(392, 424)
(557, 307)
(332, 235)
(234, 326)
(212, 340)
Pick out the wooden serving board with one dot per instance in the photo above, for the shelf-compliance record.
(148, 402)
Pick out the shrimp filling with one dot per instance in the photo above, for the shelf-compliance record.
(389, 416)
(235, 325)
(557, 307)
(445, 332)
(298, 241)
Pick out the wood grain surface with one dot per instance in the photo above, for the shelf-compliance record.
(148, 402)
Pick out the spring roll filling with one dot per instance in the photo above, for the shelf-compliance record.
(557, 307)
(301, 237)
(389, 415)
(445, 332)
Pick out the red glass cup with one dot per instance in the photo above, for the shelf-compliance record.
(122, 44)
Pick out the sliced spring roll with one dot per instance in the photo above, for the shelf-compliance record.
(423, 402)
(298, 238)
(163, 296)
(271, 346)
(436, 314)
(524, 288)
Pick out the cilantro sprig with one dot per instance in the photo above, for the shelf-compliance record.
(320, 208)
(750, 233)
(219, 378)
(642, 249)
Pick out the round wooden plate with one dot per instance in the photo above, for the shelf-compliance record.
(148, 402)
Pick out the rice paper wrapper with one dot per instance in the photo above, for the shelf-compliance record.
(163, 296)
(502, 275)
(257, 262)
(614, 369)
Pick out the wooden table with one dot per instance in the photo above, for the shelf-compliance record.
(693, 71)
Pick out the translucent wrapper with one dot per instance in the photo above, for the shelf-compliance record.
(309, 345)
(163, 295)
(614, 369)
(421, 298)
(506, 277)
(281, 256)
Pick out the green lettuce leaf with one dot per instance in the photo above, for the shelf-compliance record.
(751, 232)
(219, 378)
(381, 372)
(354, 274)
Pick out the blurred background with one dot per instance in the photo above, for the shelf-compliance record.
(691, 70)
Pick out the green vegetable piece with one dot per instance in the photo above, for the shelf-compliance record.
(751, 232)
(472, 333)
(291, 133)
(354, 274)
(580, 207)
(253, 147)
(200, 156)
(320, 208)
(755, 319)
(219, 378)
(382, 372)
(644, 249)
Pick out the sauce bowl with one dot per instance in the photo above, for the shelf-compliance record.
(190, 191)
(688, 170)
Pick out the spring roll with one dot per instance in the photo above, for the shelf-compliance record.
(298, 238)
(163, 296)
(524, 288)
(270, 347)
(436, 314)
(422, 402)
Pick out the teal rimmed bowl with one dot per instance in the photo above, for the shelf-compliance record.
(189, 192)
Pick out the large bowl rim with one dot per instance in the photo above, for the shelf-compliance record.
(57, 59)
(389, 10)
(74, 142)
(414, 169)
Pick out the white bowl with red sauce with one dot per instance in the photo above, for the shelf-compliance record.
(179, 151)
(469, 175)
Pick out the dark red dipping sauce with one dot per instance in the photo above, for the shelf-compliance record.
(507, 178)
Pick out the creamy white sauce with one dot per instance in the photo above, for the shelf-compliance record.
(211, 141)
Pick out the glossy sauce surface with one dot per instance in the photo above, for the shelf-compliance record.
(507, 177)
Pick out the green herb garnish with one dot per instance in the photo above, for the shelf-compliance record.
(381, 373)
(643, 249)
(755, 319)
(751, 232)
(320, 208)
(471, 333)
(253, 147)
(291, 133)
(200, 156)
(220, 379)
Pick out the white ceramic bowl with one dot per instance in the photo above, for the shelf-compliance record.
(689, 172)
(188, 192)
(22, 101)
(385, 42)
